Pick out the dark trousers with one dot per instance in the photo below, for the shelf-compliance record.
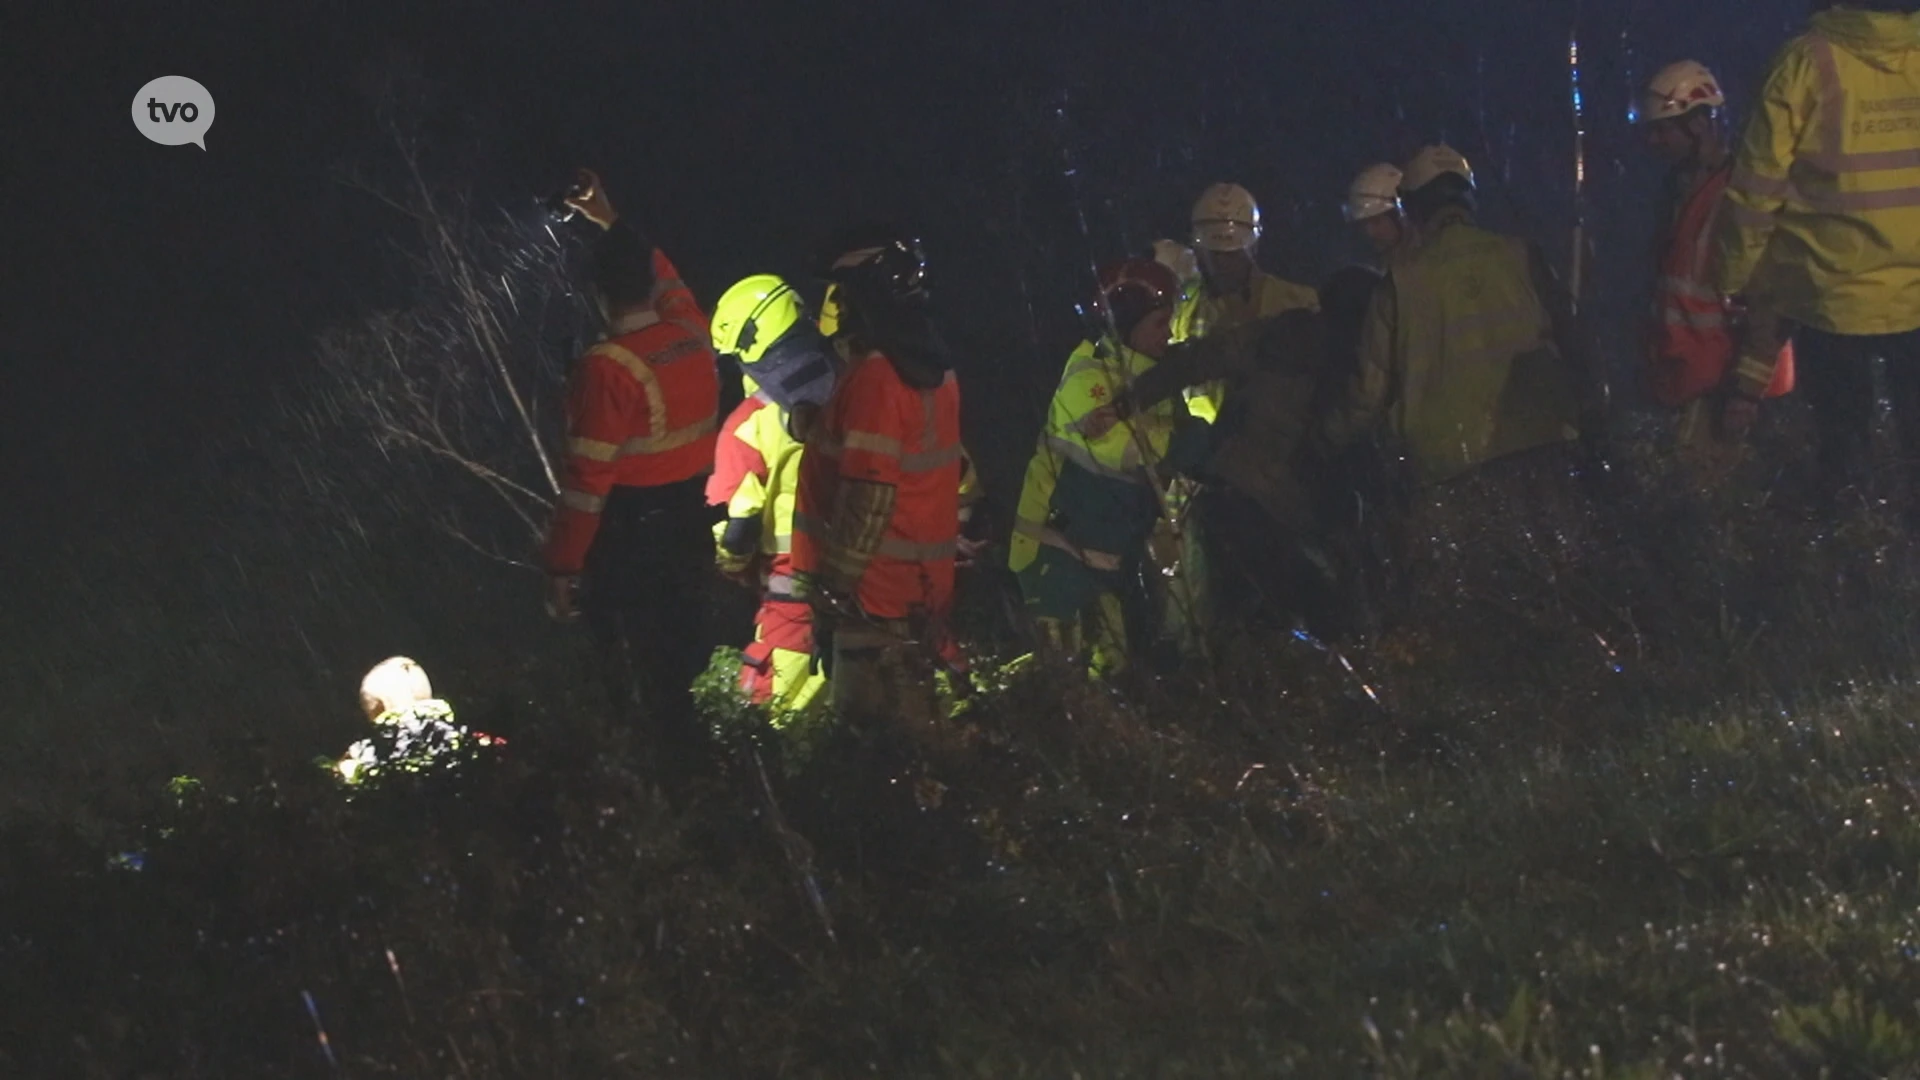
(645, 599)
(1835, 373)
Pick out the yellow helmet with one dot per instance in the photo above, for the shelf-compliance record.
(830, 312)
(753, 315)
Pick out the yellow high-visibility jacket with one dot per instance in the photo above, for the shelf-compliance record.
(1200, 313)
(1457, 355)
(1123, 455)
(769, 498)
(1823, 211)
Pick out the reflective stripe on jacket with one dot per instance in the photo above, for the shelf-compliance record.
(641, 413)
(1457, 354)
(1690, 346)
(1200, 313)
(879, 430)
(1094, 374)
(1823, 211)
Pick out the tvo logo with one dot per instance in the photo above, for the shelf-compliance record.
(174, 110)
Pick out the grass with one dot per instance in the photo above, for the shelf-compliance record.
(1595, 807)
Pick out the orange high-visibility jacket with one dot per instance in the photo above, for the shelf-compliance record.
(674, 302)
(878, 429)
(641, 412)
(1691, 348)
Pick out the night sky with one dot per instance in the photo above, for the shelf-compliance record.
(155, 297)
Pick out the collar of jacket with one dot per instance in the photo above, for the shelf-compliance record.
(1446, 218)
(634, 320)
(1881, 38)
(1108, 350)
(915, 370)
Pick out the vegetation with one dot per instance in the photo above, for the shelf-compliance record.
(1636, 800)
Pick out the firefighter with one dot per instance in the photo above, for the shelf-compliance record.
(1373, 210)
(1821, 228)
(631, 531)
(1464, 355)
(1690, 352)
(790, 368)
(877, 520)
(1090, 502)
(1233, 289)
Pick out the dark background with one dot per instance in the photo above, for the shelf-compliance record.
(158, 300)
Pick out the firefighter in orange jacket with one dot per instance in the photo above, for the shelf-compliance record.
(632, 520)
(1690, 345)
(877, 524)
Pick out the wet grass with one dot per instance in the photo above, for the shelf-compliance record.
(1636, 798)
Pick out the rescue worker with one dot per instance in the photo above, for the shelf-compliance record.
(1232, 291)
(632, 524)
(1690, 353)
(1357, 491)
(877, 520)
(1089, 502)
(1821, 228)
(789, 367)
(416, 728)
(1464, 356)
(1373, 210)
(1263, 471)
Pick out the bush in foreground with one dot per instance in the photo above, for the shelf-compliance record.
(1503, 839)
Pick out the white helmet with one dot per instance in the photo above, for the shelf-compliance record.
(1374, 192)
(1176, 257)
(1226, 219)
(394, 684)
(1431, 163)
(1678, 90)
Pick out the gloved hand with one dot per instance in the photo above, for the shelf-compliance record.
(589, 197)
(737, 568)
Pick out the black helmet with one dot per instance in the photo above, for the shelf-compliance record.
(879, 275)
(878, 264)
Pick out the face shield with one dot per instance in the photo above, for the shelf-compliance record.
(798, 369)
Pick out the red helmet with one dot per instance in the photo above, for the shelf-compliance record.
(1130, 289)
